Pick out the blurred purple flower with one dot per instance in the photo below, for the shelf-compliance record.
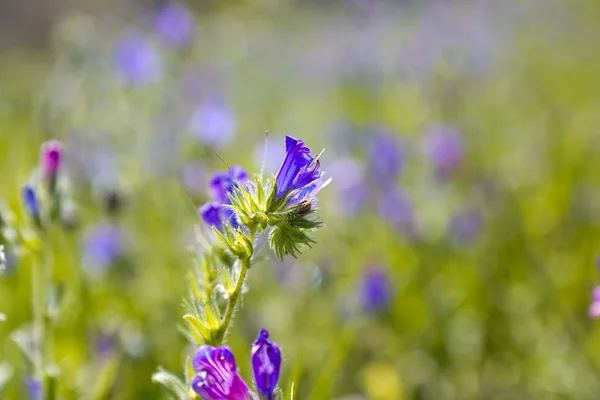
(211, 214)
(217, 377)
(194, 177)
(375, 290)
(395, 208)
(174, 24)
(443, 145)
(213, 123)
(137, 60)
(465, 226)
(102, 247)
(266, 364)
(353, 192)
(34, 388)
(385, 159)
(594, 309)
(30, 200)
(51, 155)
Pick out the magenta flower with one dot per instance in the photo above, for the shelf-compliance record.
(594, 309)
(217, 377)
(266, 364)
(51, 156)
(299, 171)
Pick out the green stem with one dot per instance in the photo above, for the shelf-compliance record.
(38, 296)
(232, 302)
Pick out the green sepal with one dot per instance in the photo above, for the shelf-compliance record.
(173, 385)
(199, 329)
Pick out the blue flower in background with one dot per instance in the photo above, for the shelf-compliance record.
(444, 148)
(385, 159)
(465, 226)
(137, 60)
(30, 200)
(395, 208)
(217, 377)
(213, 123)
(266, 364)
(174, 23)
(102, 247)
(34, 388)
(299, 171)
(375, 290)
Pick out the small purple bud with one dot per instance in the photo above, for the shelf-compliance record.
(217, 377)
(51, 155)
(375, 290)
(266, 364)
(444, 148)
(385, 159)
(102, 247)
(211, 214)
(30, 200)
(136, 59)
(174, 24)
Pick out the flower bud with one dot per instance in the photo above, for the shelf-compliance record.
(217, 377)
(51, 158)
(266, 364)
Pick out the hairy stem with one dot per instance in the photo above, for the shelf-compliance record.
(232, 303)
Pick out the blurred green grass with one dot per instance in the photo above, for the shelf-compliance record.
(502, 318)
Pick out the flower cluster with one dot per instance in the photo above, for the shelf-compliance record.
(217, 376)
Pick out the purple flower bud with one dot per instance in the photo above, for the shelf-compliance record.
(34, 388)
(102, 247)
(444, 148)
(211, 214)
(375, 290)
(51, 157)
(385, 159)
(136, 59)
(174, 24)
(30, 200)
(299, 170)
(217, 377)
(214, 123)
(266, 364)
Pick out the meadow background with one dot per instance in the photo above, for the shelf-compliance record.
(488, 260)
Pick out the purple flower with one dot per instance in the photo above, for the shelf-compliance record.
(395, 208)
(174, 24)
(194, 177)
(30, 200)
(385, 159)
(594, 309)
(51, 157)
(465, 226)
(299, 170)
(266, 364)
(136, 59)
(214, 123)
(102, 247)
(217, 377)
(34, 388)
(211, 214)
(375, 290)
(444, 148)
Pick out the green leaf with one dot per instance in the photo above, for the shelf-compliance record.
(198, 327)
(106, 378)
(171, 384)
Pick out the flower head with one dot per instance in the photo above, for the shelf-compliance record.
(51, 155)
(217, 377)
(385, 159)
(299, 171)
(137, 60)
(102, 247)
(221, 185)
(375, 290)
(444, 148)
(266, 364)
(30, 200)
(174, 24)
(211, 214)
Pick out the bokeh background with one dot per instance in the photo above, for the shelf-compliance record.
(462, 222)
